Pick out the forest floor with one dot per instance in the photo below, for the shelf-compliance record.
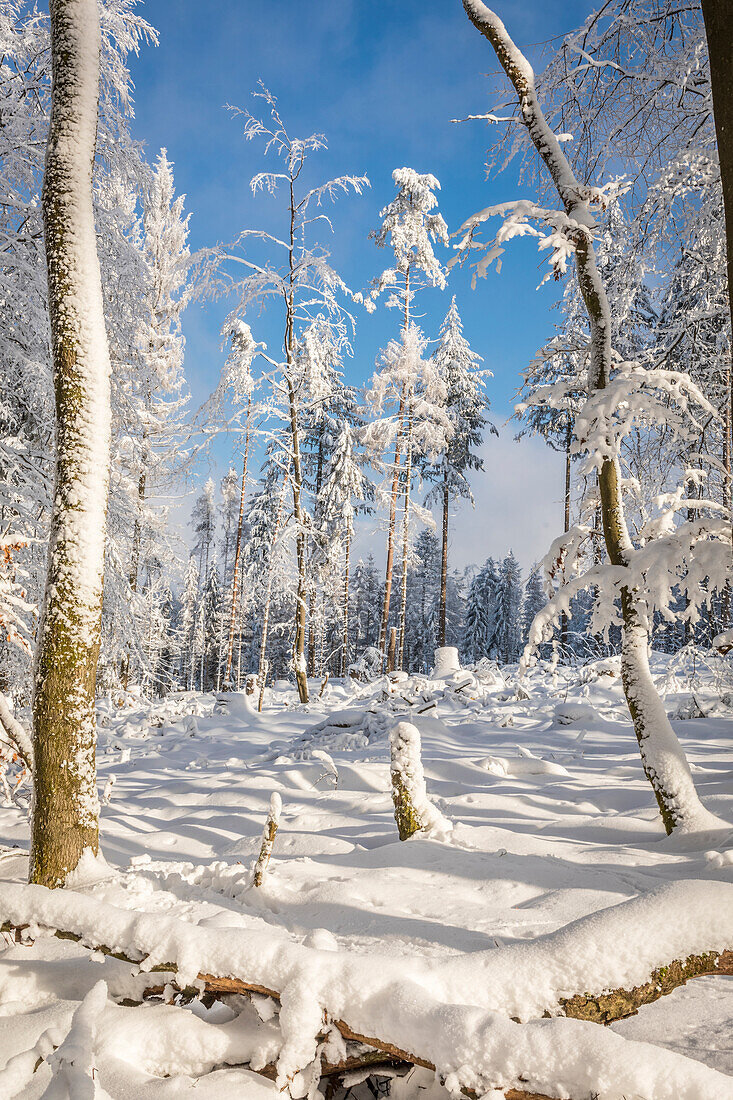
(553, 820)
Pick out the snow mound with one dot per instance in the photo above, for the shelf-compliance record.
(523, 764)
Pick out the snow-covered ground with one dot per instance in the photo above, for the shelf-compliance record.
(552, 820)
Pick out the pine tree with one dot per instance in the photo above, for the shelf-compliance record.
(367, 600)
(345, 491)
(458, 366)
(479, 635)
(410, 224)
(507, 610)
(423, 584)
(533, 602)
(188, 619)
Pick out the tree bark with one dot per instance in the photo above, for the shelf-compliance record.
(262, 669)
(443, 567)
(65, 804)
(391, 531)
(345, 650)
(394, 492)
(237, 558)
(405, 535)
(718, 16)
(566, 528)
(663, 760)
(601, 1009)
(392, 649)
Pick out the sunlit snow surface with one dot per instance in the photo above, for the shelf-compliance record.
(553, 820)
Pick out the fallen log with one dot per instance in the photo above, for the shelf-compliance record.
(602, 1008)
(450, 1016)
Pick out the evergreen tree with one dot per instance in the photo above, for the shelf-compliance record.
(458, 365)
(480, 623)
(533, 602)
(410, 224)
(423, 585)
(507, 611)
(367, 601)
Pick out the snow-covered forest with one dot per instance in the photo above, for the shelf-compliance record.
(312, 782)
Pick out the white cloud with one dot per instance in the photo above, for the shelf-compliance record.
(519, 503)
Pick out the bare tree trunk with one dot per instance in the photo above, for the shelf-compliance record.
(405, 535)
(237, 557)
(345, 603)
(391, 530)
(664, 762)
(394, 493)
(65, 804)
(566, 528)
(392, 649)
(718, 16)
(443, 566)
(299, 665)
(262, 670)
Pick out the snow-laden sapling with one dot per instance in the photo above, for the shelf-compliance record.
(413, 810)
(268, 838)
(641, 576)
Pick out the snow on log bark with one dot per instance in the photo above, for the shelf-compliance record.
(663, 758)
(452, 1014)
(66, 808)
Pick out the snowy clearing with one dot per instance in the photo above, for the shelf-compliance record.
(437, 941)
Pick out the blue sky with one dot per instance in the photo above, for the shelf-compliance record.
(382, 79)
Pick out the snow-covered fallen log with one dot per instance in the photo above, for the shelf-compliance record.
(453, 1015)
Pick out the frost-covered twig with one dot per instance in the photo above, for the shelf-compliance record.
(16, 733)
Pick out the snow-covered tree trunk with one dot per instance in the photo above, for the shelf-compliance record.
(718, 18)
(665, 765)
(262, 670)
(566, 528)
(405, 533)
(237, 558)
(391, 529)
(392, 649)
(65, 803)
(299, 664)
(443, 565)
(345, 600)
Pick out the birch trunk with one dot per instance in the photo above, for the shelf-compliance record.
(443, 567)
(262, 669)
(391, 531)
(405, 535)
(347, 551)
(718, 17)
(394, 494)
(663, 759)
(237, 558)
(299, 666)
(566, 528)
(65, 805)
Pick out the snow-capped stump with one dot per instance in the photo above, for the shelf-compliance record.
(413, 810)
(446, 662)
(723, 642)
